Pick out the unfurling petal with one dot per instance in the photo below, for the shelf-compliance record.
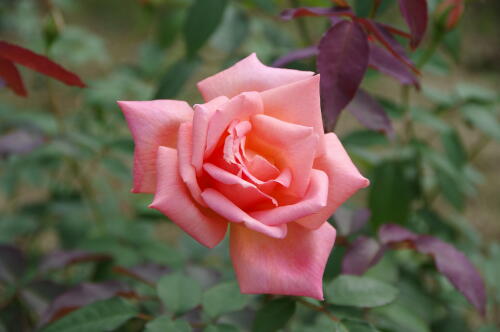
(290, 266)
(248, 74)
(344, 180)
(153, 124)
(173, 199)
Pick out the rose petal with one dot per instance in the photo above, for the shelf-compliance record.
(202, 115)
(344, 180)
(248, 74)
(291, 145)
(314, 200)
(241, 192)
(238, 108)
(227, 209)
(291, 266)
(153, 124)
(298, 103)
(173, 199)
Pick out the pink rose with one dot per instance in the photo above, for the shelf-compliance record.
(255, 157)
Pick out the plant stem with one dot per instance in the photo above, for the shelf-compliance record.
(318, 309)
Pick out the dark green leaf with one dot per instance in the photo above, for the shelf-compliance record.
(223, 298)
(221, 328)
(179, 293)
(201, 22)
(274, 315)
(361, 292)
(454, 148)
(166, 324)
(99, 316)
(175, 78)
(359, 326)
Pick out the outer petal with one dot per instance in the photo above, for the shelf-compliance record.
(344, 180)
(173, 199)
(314, 200)
(153, 124)
(291, 266)
(291, 145)
(223, 206)
(298, 103)
(248, 74)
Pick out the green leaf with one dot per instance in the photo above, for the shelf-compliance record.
(361, 292)
(221, 328)
(201, 22)
(166, 324)
(364, 138)
(274, 315)
(483, 119)
(232, 32)
(401, 319)
(223, 298)
(99, 316)
(179, 293)
(391, 192)
(454, 148)
(176, 76)
(359, 326)
(473, 92)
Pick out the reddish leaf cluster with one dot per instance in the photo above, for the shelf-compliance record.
(365, 252)
(11, 54)
(349, 47)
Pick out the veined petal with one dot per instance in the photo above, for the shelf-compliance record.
(186, 169)
(290, 266)
(153, 124)
(173, 199)
(248, 74)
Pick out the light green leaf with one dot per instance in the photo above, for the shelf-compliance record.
(473, 92)
(361, 292)
(359, 326)
(99, 316)
(201, 22)
(224, 298)
(166, 324)
(483, 119)
(274, 315)
(401, 319)
(179, 293)
(221, 328)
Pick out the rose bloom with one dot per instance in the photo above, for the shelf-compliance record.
(254, 156)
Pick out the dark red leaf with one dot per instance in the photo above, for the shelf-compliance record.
(12, 263)
(342, 63)
(20, 141)
(148, 273)
(415, 15)
(362, 254)
(61, 259)
(83, 295)
(39, 63)
(453, 264)
(370, 113)
(12, 77)
(300, 54)
(38, 294)
(457, 268)
(389, 42)
(292, 13)
(341, 3)
(350, 221)
(385, 62)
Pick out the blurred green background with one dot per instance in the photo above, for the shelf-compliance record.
(66, 154)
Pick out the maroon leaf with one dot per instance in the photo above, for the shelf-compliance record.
(300, 54)
(12, 263)
(38, 294)
(39, 63)
(369, 112)
(83, 295)
(20, 141)
(60, 259)
(12, 77)
(457, 268)
(291, 13)
(391, 233)
(453, 264)
(148, 273)
(342, 63)
(415, 15)
(383, 61)
(362, 254)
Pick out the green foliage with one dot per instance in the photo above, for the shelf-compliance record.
(223, 298)
(179, 293)
(166, 324)
(274, 315)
